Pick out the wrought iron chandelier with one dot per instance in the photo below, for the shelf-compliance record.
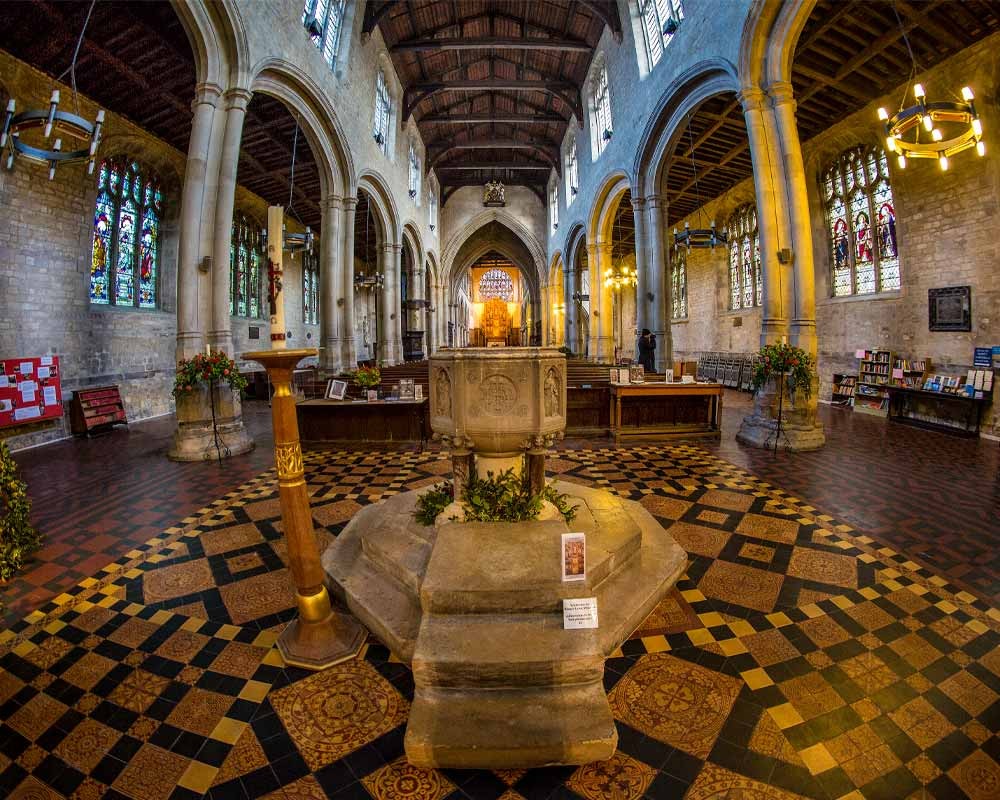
(620, 275)
(698, 237)
(363, 280)
(923, 118)
(61, 122)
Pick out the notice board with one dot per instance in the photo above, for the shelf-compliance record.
(29, 390)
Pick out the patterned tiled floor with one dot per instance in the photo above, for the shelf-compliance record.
(796, 658)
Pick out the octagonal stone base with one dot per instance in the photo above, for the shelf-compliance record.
(476, 610)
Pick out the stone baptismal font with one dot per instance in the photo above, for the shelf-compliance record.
(476, 608)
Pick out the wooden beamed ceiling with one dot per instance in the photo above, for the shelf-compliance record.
(850, 52)
(492, 84)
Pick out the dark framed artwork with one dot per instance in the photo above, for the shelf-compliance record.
(950, 308)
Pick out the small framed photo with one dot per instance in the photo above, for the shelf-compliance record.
(574, 556)
(406, 389)
(637, 374)
(372, 395)
(335, 390)
(668, 375)
(418, 392)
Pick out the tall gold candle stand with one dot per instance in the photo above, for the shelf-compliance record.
(319, 637)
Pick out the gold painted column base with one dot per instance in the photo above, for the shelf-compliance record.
(320, 637)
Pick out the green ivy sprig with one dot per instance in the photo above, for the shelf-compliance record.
(777, 359)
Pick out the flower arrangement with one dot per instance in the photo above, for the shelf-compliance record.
(368, 377)
(779, 359)
(205, 368)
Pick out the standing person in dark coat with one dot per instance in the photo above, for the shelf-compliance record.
(647, 346)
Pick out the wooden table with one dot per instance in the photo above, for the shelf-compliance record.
(903, 399)
(668, 410)
(323, 420)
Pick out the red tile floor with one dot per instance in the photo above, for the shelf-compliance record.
(934, 497)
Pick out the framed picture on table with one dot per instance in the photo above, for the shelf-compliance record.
(336, 390)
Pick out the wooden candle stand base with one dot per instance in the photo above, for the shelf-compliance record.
(319, 637)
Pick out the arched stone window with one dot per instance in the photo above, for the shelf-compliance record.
(324, 21)
(383, 105)
(246, 258)
(554, 206)
(745, 287)
(602, 126)
(125, 262)
(660, 20)
(678, 284)
(861, 221)
(572, 173)
(310, 288)
(496, 283)
(432, 208)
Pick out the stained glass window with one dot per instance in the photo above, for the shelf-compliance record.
(660, 19)
(572, 174)
(323, 20)
(414, 175)
(745, 285)
(603, 126)
(495, 283)
(125, 261)
(861, 220)
(246, 267)
(380, 131)
(310, 288)
(678, 284)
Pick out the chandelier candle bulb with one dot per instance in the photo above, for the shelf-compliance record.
(901, 160)
(53, 103)
(981, 148)
(967, 95)
(977, 127)
(883, 114)
(936, 135)
(890, 144)
(928, 122)
(943, 161)
(918, 91)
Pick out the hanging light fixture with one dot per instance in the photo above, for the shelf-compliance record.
(364, 279)
(294, 242)
(923, 119)
(698, 237)
(620, 275)
(53, 120)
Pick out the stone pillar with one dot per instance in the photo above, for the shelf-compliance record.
(349, 353)
(190, 336)
(603, 311)
(803, 325)
(221, 336)
(644, 274)
(330, 253)
(659, 284)
(776, 284)
(783, 226)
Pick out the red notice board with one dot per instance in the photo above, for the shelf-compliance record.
(29, 390)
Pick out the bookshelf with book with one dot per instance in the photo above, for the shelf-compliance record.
(910, 373)
(871, 395)
(844, 387)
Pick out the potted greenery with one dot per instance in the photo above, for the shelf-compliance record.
(18, 539)
(780, 359)
(367, 378)
(210, 370)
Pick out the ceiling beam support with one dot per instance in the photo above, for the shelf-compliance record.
(507, 119)
(374, 11)
(490, 42)
(608, 13)
(416, 93)
(486, 166)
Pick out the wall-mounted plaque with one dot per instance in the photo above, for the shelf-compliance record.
(254, 331)
(950, 308)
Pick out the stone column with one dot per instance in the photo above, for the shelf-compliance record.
(603, 312)
(221, 336)
(349, 354)
(330, 253)
(190, 336)
(644, 274)
(659, 283)
(763, 144)
(385, 305)
(803, 326)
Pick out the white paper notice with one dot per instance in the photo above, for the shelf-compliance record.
(687, 378)
(4, 383)
(46, 361)
(26, 367)
(43, 372)
(579, 612)
(26, 412)
(27, 390)
(49, 395)
(859, 353)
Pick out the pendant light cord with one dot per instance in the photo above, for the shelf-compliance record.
(71, 69)
(291, 176)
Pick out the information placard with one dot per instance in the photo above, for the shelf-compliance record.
(30, 390)
(579, 612)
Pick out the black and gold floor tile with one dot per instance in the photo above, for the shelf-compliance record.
(795, 658)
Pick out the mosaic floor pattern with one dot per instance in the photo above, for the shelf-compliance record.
(796, 658)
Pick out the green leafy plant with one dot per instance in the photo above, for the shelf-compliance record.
(566, 351)
(778, 359)
(204, 369)
(496, 498)
(433, 502)
(18, 539)
(368, 377)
